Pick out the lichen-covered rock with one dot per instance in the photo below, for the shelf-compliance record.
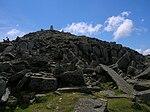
(90, 105)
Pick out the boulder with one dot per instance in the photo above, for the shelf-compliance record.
(83, 89)
(107, 93)
(115, 46)
(12, 101)
(80, 64)
(20, 65)
(8, 57)
(5, 96)
(23, 81)
(8, 49)
(144, 95)
(98, 69)
(40, 84)
(131, 70)
(39, 61)
(105, 54)
(90, 105)
(5, 66)
(2, 86)
(39, 97)
(58, 55)
(124, 61)
(96, 50)
(18, 75)
(71, 78)
(114, 53)
(121, 83)
(3, 46)
(30, 45)
(23, 46)
(144, 74)
(5, 74)
(85, 47)
(88, 70)
(114, 59)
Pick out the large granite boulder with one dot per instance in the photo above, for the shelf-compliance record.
(5, 66)
(40, 84)
(144, 74)
(121, 83)
(85, 47)
(90, 105)
(124, 61)
(71, 78)
(5, 96)
(2, 86)
(144, 95)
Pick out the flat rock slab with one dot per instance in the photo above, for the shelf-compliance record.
(144, 83)
(111, 94)
(80, 89)
(145, 73)
(121, 83)
(122, 96)
(90, 105)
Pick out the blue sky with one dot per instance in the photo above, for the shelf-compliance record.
(126, 22)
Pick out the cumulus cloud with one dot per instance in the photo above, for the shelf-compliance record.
(139, 50)
(125, 13)
(13, 33)
(119, 25)
(83, 28)
(144, 52)
(124, 30)
(113, 22)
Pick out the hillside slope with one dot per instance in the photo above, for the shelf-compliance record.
(45, 60)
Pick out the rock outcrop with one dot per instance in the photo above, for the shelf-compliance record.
(46, 60)
(121, 83)
(90, 105)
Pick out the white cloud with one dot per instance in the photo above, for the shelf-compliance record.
(139, 51)
(146, 52)
(13, 33)
(113, 22)
(125, 13)
(139, 31)
(119, 25)
(83, 28)
(124, 30)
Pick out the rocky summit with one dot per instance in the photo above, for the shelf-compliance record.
(49, 60)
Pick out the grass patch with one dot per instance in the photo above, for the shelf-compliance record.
(66, 101)
(125, 105)
(55, 103)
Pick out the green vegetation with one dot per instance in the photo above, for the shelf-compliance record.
(53, 103)
(66, 101)
(126, 105)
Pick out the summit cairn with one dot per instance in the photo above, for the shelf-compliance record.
(51, 28)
